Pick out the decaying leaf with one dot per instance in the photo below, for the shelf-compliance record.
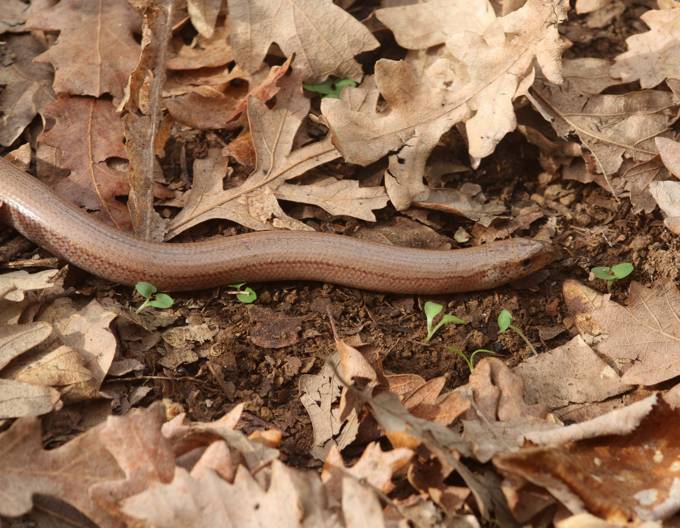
(27, 87)
(323, 37)
(203, 15)
(96, 49)
(620, 477)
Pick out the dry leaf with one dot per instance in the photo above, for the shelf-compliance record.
(630, 477)
(253, 203)
(203, 52)
(203, 15)
(652, 56)
(19, 399)
(15, 284)
(610, 126)
(584, 377)
(427, 24)
(96, 49)
(666, 194)
(17, 339)
(642, 339)
(87, 132)
(67, 472)
(27, 87)
(323, 37)
(427, 95)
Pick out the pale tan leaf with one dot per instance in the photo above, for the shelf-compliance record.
(338, 197)
(253, 203)
(584, 376)
(210, 501)
(667, 197)
(203, 15)
(669, 151)
(96, 49)
(588, 75)
(19, 399)
(360, 505)
(17, 339)
(203, 52)
(13, 285)
(58, 368)
(652, 56)
(427, 24)
(27, 87)
(66, 472)
(87, 331)
(642, 339)
(323, 37)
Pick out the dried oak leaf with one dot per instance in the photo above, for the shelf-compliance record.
(473, 79)
(203, 15)
(611, 127)
(584, 376)
(652, 56)
(87, 132)
(292, 499)
(621, 477)
(254, 203)
(67, 472)
(642, 338)
(96, 49)
(27, 86)
(203, 52)
(667, 193)
(323, 37)
(421, 26)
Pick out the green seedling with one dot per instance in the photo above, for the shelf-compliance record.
(505, 324)
(245, 295)
(432, 310)
(331, 87)
(470, 360)
(611, 274)
(152, 297)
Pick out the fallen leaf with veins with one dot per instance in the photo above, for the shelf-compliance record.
(87, 132)
(27, 87)
(323, 37)
(96, 49)
(66, 472)
(584, 376)
(14, 285)
(651, 57)
(611, 127)
(427, 95)
(19, 399)
(254, 203)
(626, 476)
(642, 338)
(203, 52)
(667, 193)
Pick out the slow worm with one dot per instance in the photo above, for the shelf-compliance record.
(54, 224)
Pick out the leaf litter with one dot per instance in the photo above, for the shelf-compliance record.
(181, 119)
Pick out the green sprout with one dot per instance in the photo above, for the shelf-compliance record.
(331, 87)
(611, 274)
(505, 324)
(152, 297)
(432, 310)
(470, 360)
(245, 295)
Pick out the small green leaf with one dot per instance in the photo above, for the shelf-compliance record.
(237, 286)
(162, 301)
(504, 320)
(330, 87)
(622, 270)
(247, 296)
(603, 273)
(451, 319)
(145, 289)
(432, 310)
